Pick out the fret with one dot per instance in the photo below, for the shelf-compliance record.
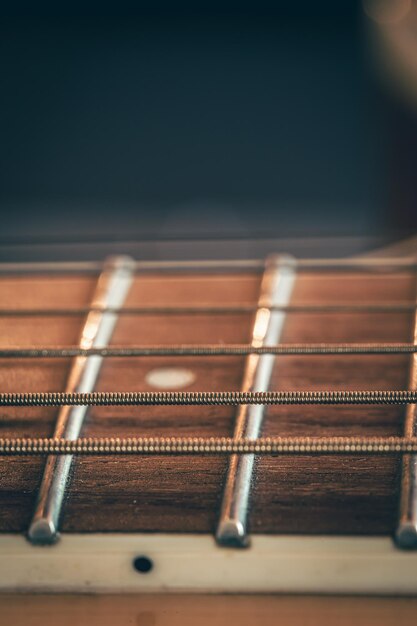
(406, 533)
(111, 290)
(276, 287)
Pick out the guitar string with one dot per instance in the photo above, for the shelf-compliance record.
(343, 397)
(243, 309)
(379, 265)
(209, 445)
(211, 350)
(199, 398)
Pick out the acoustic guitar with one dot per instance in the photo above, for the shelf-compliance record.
(221, 426)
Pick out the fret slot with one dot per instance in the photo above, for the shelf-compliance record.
(276, 288)
(111, 290)
(406, 533)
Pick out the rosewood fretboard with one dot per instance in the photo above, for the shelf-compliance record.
(333, 495)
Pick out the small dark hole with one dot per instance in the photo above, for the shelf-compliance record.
(142, 564)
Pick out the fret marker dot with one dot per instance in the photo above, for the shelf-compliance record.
(170, 378)
(142, 564)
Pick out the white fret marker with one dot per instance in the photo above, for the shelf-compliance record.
(170, 378)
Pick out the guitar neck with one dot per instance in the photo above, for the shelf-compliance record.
(148, 313)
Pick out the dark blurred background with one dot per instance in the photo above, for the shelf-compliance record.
(142, 120)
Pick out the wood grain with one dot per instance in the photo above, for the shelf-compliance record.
(302, 495)
(204, 610)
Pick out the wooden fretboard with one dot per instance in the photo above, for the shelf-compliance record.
(303, 494)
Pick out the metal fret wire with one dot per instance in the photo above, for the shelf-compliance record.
(310, 349)
(110, 291)
(209, 445)
(196, 398)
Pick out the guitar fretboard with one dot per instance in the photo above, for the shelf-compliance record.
(286, 355)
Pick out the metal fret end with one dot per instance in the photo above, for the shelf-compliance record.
(406, 536)
(232, 534)
(42, 532)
